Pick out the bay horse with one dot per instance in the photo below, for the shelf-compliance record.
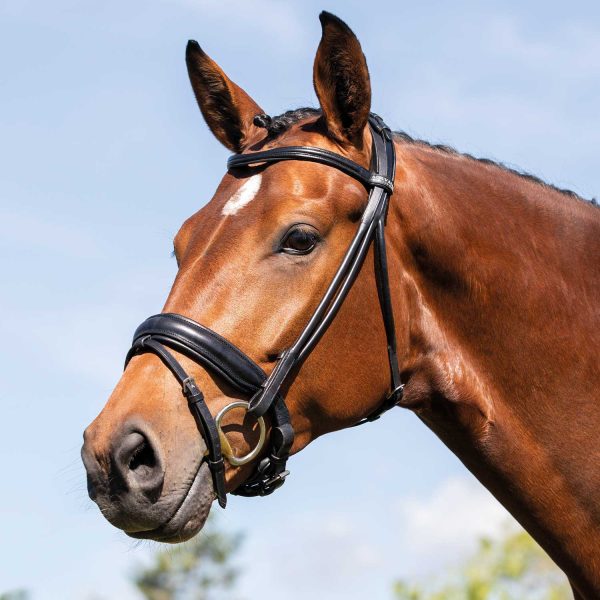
(494, 279)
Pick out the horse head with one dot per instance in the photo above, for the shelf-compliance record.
(253, 264)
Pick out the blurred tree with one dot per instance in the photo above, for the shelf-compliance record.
(15, 595)
(196, 570)
(513, 568)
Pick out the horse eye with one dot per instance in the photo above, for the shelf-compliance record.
(299, 240)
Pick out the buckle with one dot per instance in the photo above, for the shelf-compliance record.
(188, 384)
(268, 486)
(262, 483)
(395, 396)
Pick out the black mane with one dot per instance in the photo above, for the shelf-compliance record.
(443, 148)
(280, 123)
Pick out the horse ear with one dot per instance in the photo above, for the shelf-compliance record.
(226, 108)
(341, 80)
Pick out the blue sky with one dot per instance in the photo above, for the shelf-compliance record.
(104, 154)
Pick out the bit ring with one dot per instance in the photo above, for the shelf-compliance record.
(238, 461)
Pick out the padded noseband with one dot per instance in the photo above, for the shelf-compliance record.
(203, 346)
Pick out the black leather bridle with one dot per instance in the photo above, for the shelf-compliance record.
(199, 343)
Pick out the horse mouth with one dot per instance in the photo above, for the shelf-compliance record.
(191, 514)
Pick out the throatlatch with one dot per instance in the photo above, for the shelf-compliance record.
(223, 359)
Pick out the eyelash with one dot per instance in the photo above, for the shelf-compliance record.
(174, 255)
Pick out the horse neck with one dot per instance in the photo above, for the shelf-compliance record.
(501, 278)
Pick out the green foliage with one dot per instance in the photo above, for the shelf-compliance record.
(197, 570)
(513, 568)
(15, 595)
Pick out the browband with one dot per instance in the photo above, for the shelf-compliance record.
(313, 154)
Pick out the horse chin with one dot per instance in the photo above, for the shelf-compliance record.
(189, 518)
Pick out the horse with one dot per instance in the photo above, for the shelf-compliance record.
(493, 283)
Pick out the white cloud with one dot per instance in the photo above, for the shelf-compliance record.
(358, 550)
(447, 525)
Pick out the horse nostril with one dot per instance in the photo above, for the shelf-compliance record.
(139, 464)
(143, 460)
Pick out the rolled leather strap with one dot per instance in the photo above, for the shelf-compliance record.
(379, 181)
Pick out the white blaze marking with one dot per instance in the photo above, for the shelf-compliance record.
(243, 196)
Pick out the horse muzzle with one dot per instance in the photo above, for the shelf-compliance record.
(126, 479)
